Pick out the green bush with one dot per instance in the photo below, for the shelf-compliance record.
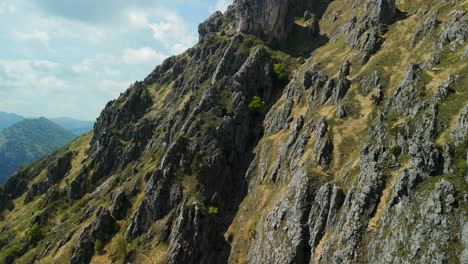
(281, 72)
(396, 151)
(256, 105)
(34, 234)
(98, 247)
(212, 210)
(2, 190)
(13, 251)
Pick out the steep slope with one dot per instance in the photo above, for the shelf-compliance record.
(27, 141)
(8, 119)
(293, 132)
(77, 127)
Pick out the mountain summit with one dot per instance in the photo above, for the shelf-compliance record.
(292, 132)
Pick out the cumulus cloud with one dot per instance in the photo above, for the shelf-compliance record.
(94, 49)
(142, 56)
(138, 19)
(29, 85)
(172, 31)
(221, 5)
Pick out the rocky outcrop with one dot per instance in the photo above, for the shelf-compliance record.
(120, 204)
(426, 28)
(213, 24)
(57, 170)
(272, 20)
(407, 99)
(452, 35)
(282, 237)
(102, 229)
(423, 222)
(459, 132)
(323, 214)
(323, 146)
(363, 32)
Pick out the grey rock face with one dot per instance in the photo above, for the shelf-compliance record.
(36, 190)
(344, 70)
(212, 24)
(407, 99)
(420, 226)
(161, 193)
(103, 228)
(323, 213)
(272, 19)
(447, 155)
(362, 33)
(340, 91)
(323, 146)
(444, 90)
(341, 112)
(453, 35)
(426, 28)
(370, 83)
(460, 131)
(59, 168)
(120, 205)
(77, 189)
(283, 235)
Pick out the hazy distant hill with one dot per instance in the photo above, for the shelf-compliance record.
(77, 127)
(8, 119)
(27, 141)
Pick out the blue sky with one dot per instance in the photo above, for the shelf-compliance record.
(70, 57)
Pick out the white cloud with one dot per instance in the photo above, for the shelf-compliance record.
(142, 56)
(221, 5)
(113, 87)
(83, 67)
(172, 29)
(31, 76)
(36, 35)
(178, 48)
(138, 19)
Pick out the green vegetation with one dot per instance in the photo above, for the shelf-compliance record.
(396, 151)
(27, 141)
(460, 158)
(2, 189)
(212, 210)
(34, 234)
(13, 251)
(98, 247)
(256, 105)
(281, 72)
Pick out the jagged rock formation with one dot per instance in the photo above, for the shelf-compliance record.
(357, 154)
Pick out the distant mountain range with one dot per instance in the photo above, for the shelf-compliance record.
(27, 141)
(8, 119)
(77, 127)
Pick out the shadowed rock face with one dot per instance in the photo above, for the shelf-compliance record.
(273, 20)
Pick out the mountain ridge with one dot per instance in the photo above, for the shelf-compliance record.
(28, 140)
